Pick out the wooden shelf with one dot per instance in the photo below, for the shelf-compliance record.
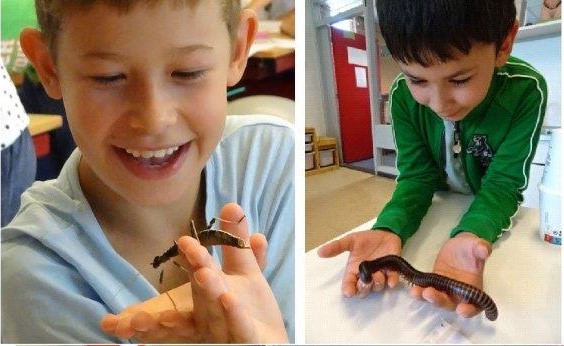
(320, 145)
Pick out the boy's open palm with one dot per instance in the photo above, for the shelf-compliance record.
(364, 245)
(461, 258)
(231, 304)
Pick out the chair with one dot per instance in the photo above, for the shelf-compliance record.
(263, 104)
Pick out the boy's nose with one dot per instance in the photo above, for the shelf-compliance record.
(440, 102)
(153, 113)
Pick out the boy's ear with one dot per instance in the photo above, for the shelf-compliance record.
(36, 50)
(507, 45)
(248, 26)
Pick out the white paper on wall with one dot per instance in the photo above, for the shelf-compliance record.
(357, 56)
(360, 74)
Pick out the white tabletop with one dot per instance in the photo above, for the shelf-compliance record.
(522, 276)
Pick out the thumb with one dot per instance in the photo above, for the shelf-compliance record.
(482, 250)
(236, 260)
(259, 245)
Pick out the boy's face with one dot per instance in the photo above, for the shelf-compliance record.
(145, 94)
(452, 89)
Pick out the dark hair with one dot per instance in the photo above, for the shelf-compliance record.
(429, 31)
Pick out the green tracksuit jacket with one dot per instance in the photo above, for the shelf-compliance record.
(499, 139)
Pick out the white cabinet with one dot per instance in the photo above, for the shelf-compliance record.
(540, 45)
(385, 156)
(531, 194)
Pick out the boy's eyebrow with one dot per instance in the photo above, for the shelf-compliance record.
(101, 55)
(453, 75)
(190, 48)
(117, 56)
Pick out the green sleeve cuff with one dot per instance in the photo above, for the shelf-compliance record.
(480, 226)
(404, 236)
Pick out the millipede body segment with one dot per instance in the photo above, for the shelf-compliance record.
(466, 292)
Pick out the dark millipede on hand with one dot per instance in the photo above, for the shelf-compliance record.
(464, 291)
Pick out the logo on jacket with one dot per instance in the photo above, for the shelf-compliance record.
(481, 150)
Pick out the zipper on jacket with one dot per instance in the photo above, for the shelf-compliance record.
(462, 152)
(442, 150)
(456, 147)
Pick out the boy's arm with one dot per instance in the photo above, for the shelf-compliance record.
(508, 173)
(419, 176)
(44, 300)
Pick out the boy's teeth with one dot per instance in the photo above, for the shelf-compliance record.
(147, 154)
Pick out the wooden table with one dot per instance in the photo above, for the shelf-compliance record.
(522, 276)
(269, 72)
(39, 127)
(267, 63)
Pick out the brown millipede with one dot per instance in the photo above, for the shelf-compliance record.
(464, 291)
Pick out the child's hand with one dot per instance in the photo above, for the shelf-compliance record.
(461, 258)
(153, 319)
(233, 304)
(364, 245)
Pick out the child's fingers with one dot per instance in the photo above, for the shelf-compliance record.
(362, 289)
(184, 326)
(109, 323)
(432, 296)
(378, 281)
(157, 334)
(393, 279)
(236, 260)
(416, 292)
(438, 298)
(180, 321)
(210, 282)
(241, 325)
(349, 284)
(467, 310)
(259, 245)
(123, 328)
(208, 286)
(143, 321)
(196, 255)
(172, 327)
(334, 247)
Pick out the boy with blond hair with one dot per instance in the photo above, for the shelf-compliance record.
(144, 86)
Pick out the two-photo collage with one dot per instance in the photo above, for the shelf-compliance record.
(348, 172)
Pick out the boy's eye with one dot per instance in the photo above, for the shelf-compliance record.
(416, 81)
(461, 82)
(189, 75)
(108, 80)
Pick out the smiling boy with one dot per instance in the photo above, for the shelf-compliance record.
(466, 117)
(144, 87)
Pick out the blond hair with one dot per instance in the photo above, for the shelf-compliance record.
(50, 13)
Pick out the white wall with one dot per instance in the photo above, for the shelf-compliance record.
(544, 55)
(314, 108)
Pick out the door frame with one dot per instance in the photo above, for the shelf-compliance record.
(323, 43)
